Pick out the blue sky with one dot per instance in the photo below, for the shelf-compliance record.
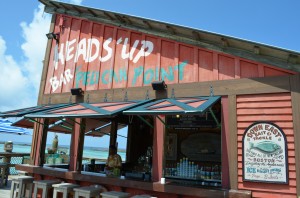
(24, 25)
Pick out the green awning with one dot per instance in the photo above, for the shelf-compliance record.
(175, 106)
(87, 110)
(29, 110)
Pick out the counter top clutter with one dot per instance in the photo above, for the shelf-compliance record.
(188, 170)
(101, 179)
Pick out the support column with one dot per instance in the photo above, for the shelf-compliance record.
(113, 132)
(77, 143)
(232, 142)
(41, 131)
(158, 149)
(295, 94)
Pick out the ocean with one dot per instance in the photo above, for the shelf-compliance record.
(88, 152)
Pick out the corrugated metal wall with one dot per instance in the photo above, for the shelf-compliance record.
(276, 108)
(95, 56)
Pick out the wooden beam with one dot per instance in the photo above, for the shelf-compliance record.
(147, 24)
(277, 84)
(43, 142)
(158, 149)
(295, 94)
(233, 154)
(76, 147)
(113, 133)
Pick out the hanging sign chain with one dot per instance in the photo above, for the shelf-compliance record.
(105, 97)
(125, 97)
(88, 98)
(173, 93)
(211, 90)
(147, 95)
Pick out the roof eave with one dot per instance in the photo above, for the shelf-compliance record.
(283, 58)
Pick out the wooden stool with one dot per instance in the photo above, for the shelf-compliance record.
(64, 188)
(114, 194)
(87, 192)
(45, 185)
(19, 186)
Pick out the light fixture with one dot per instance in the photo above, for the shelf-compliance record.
(53, 35)
(77, 91)
(159, 85)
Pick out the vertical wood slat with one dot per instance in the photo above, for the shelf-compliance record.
(233, 161)
(295, 94)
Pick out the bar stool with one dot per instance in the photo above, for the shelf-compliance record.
(45, 185)
(19, 185)
(114, 194)
(64, 188)
(88, 192)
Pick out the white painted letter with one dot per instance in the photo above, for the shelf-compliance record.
(70, 49)
(124, 54)
(142, 52)
(96, 43)
(81, 50)
(68, 75)
(133, 48)
(108, 49)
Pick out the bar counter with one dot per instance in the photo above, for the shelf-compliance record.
(98, 178)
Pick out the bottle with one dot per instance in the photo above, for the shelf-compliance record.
(55, 144)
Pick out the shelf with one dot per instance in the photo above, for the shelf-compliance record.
(193, 179)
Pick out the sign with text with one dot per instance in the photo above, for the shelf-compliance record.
(264, 153)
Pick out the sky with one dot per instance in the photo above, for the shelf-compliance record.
(23, 26)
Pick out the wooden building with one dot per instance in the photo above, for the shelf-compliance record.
(225, 124)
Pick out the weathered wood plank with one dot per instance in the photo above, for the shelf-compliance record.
(277, 84)
(295, 93)
(233, 162)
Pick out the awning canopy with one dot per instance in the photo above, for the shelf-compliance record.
(175, 106)
(6, 127)
(87, 110)
(29, 110)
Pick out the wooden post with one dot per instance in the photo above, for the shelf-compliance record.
(41, 131)
(158, 149)
(225, 143)
(113, 132)
(77, 143)
(232, 146)
(295, 94)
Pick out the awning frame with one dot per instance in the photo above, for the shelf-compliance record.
(150, 108)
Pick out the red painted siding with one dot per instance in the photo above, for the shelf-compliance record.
(277, 109)
(95, 56)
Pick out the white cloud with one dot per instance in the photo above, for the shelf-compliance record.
(20, 81)
(35, 45)
(78, 2)
(13, 83)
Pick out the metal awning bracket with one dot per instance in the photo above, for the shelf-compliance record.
(144, 120)
(161, 121)
(33, 120)
(81, 125)
(214, 117)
